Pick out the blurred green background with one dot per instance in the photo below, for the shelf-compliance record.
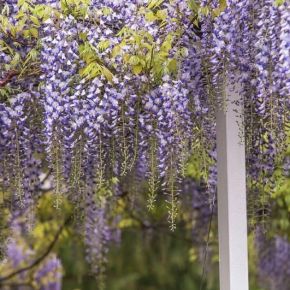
(155, 260)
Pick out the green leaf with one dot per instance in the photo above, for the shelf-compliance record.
(106, 11)
(83, 36)
(155, 3)
(106, 72)
(34, 20)
(162, 14)
(137, 69)
(116, 50)
(16, 59)
(34, 32)
(172, 65)
(150, 16)
(279, 2)
(134, 60)
(31, 56)
(123, 31)
(103, 45)
(204, 10)
(167, 44)
(127, 222)
(193, 6)
(21, 3)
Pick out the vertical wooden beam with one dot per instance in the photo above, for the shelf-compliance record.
(232, 211)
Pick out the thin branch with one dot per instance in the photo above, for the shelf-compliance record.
(46, 176)
(8, 78)
(18, 285)
(157, 227)
(40, 258)
(204, 270)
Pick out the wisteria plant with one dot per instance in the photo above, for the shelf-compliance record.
(98, 94)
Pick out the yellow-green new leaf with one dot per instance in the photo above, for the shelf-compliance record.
(34, 20)
(134, 60)
(108, 75)
(137, 69)
(34, 32)
(155, 3)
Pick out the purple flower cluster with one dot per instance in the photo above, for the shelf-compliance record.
(59, 66)
(47, 275)
(20, 169)
(250, 45)
(199, 206)
(273, 261)
(16, 254)
(98, 235)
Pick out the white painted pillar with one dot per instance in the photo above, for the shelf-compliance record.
(232, 211)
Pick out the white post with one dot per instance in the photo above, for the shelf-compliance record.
(232, 211)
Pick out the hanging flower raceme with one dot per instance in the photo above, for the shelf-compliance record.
(20, 169)
(59, 75)
(200, 208)
(47, 273)
(273, 261)
(248, 48)
(47, 276)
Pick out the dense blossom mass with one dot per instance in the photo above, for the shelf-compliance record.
(95, 91)
(274, 254)
(47, 276)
